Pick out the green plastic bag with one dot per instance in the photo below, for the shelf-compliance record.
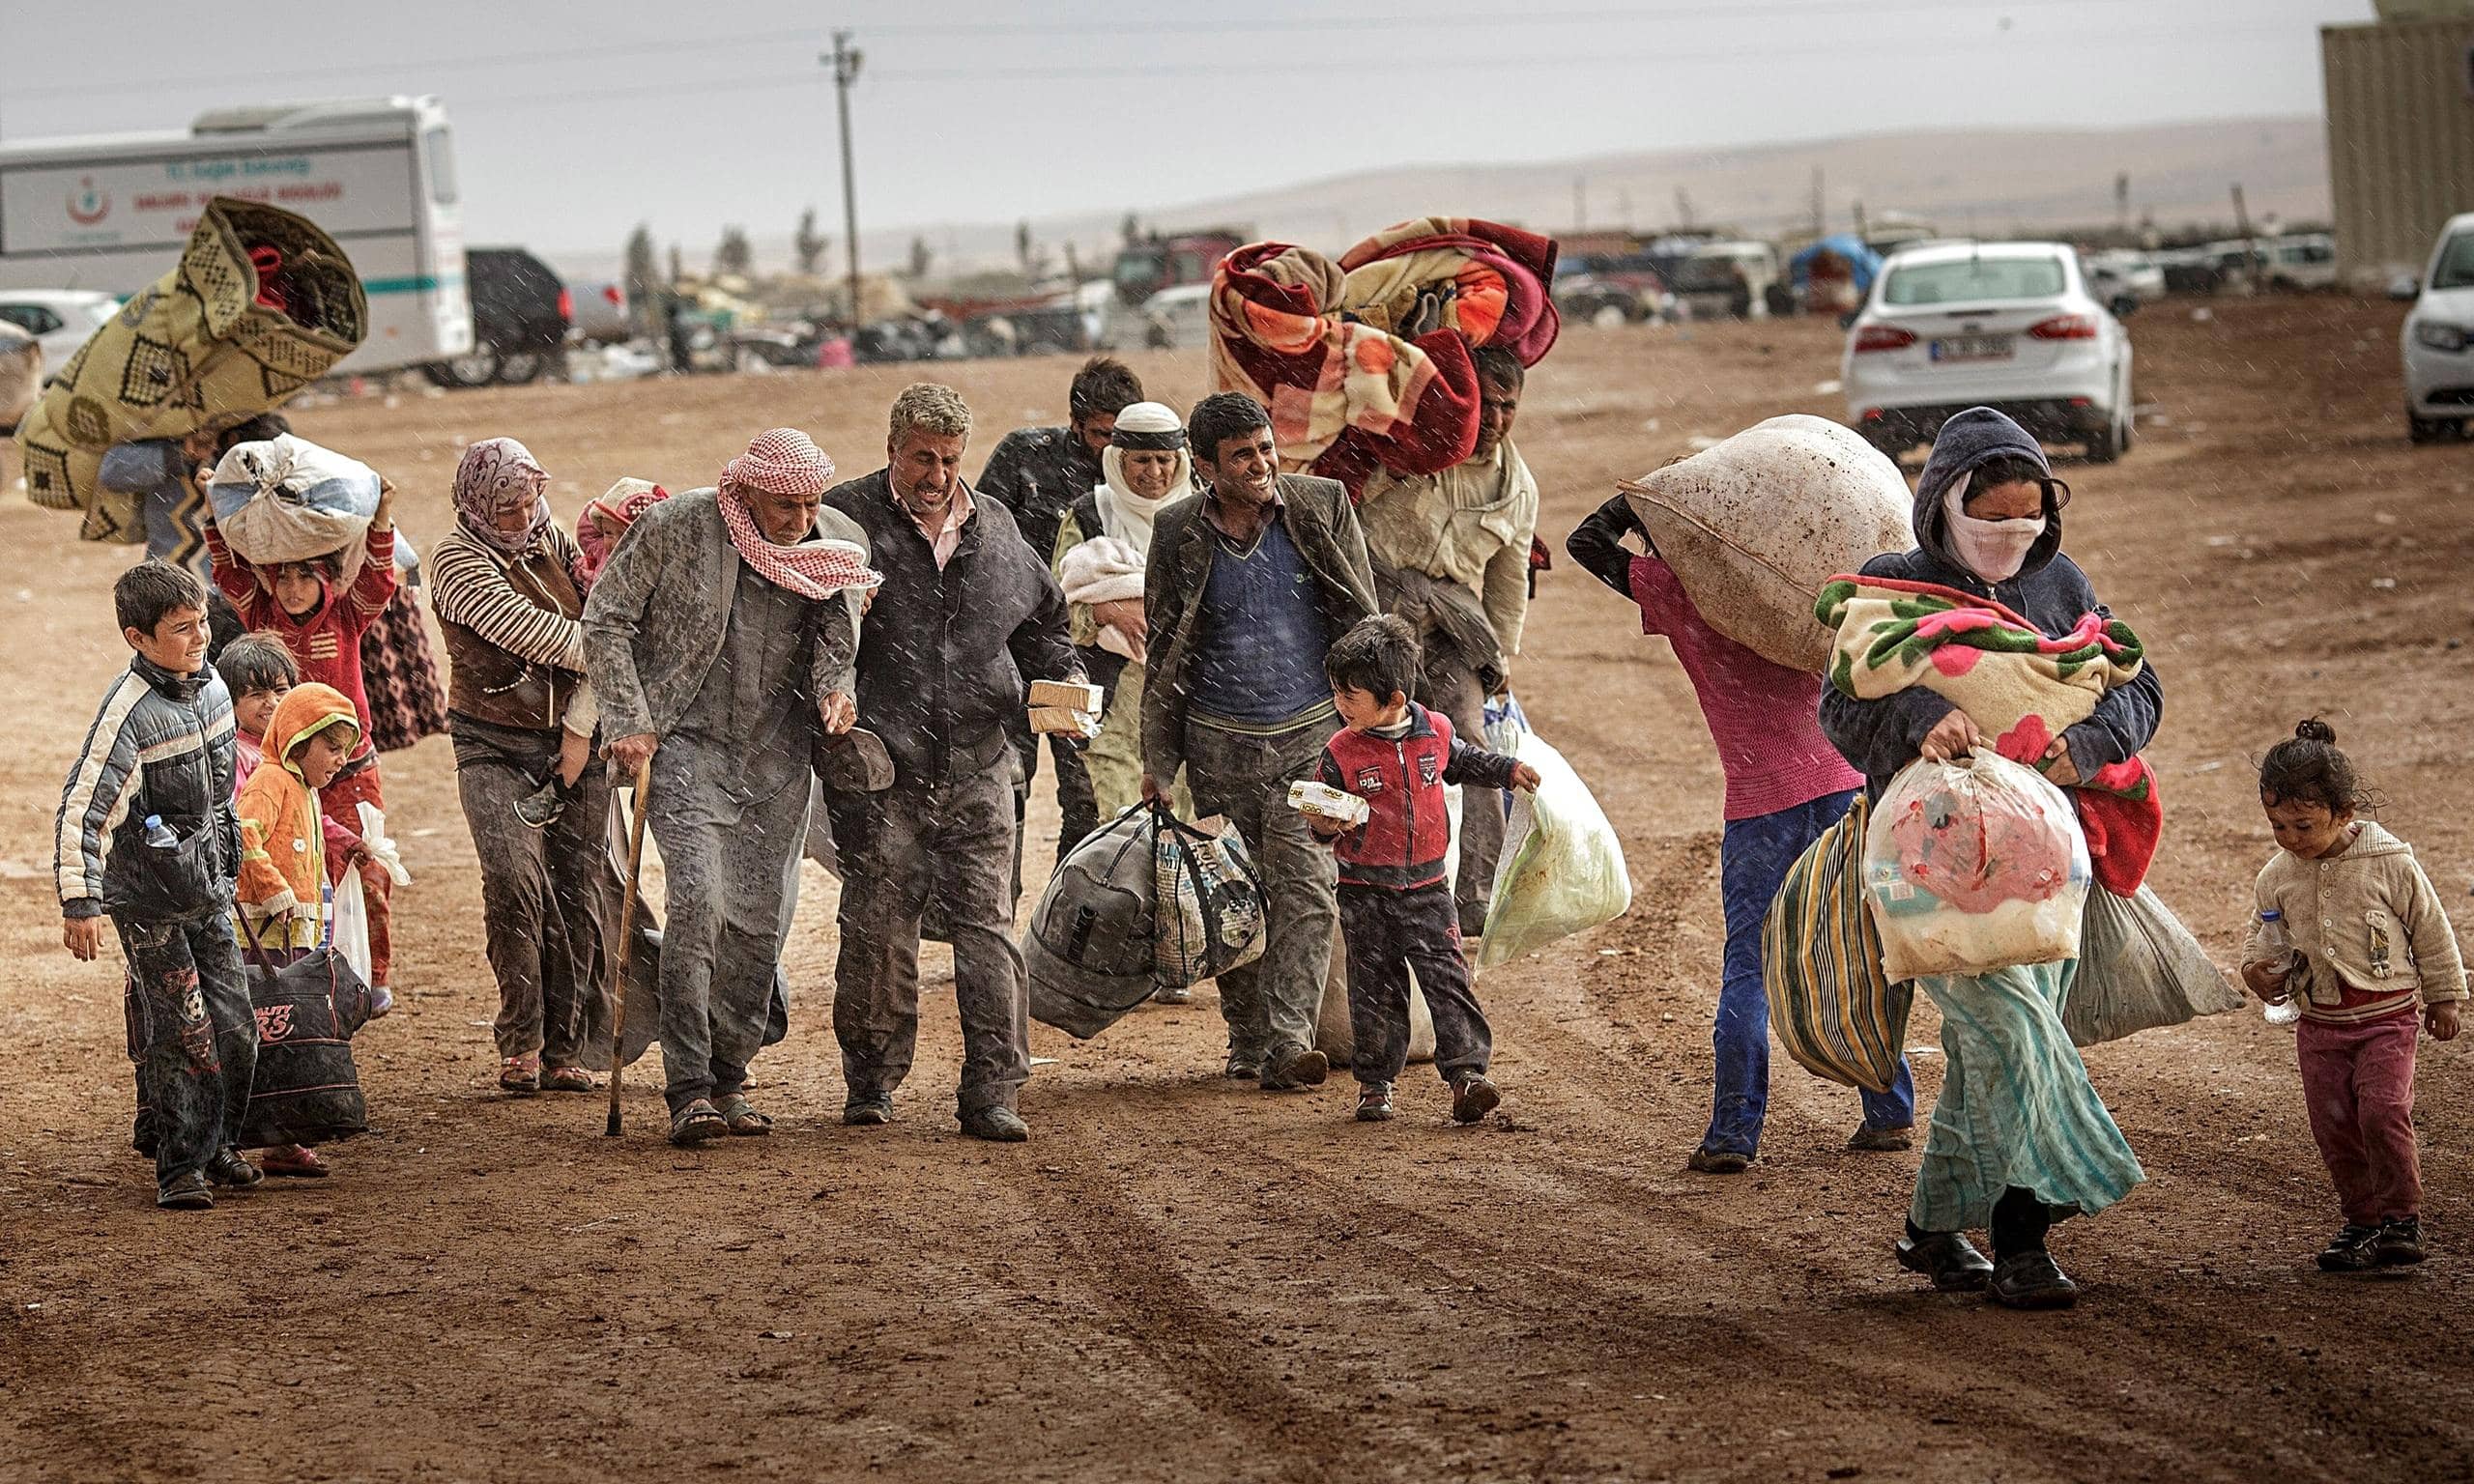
(1562, 870)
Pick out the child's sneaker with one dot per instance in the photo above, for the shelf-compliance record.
(1375, 1104)
(1473, 1097)
(381, 1002)
(541, 808)
(2355, 1249)
(2400, 1242)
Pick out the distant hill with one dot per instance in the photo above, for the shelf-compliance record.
(1988, 180)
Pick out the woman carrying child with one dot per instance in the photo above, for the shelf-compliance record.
(321, 607)
(2019, 1136)
(2368, 952)
(508, 588)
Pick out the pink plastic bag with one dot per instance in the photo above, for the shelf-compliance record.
(1971, 867)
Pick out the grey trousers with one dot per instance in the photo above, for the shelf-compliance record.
(1269, 1004)
(549, 898)
(731, 826)
(1447, 683)
(946, 842)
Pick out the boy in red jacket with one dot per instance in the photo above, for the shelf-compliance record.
(1397, 911)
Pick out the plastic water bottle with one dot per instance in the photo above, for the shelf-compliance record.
(2278, 945)
(159, 835)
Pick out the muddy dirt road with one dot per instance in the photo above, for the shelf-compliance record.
(1181, 1279)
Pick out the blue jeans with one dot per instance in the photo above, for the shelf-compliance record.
(1753, 860)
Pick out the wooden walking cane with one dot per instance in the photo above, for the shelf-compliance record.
(626, 943)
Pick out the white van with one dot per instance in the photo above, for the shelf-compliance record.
(111, 212)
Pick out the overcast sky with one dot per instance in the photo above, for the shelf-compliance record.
(577, 120)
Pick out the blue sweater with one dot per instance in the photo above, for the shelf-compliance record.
(1261, 660)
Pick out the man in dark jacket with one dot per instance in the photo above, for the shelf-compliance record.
(1037, 475)
(1248, 586)
(966, 614)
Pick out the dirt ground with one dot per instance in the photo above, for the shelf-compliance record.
(1179, 1277)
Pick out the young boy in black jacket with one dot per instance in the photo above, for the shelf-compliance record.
(1397, 911)
(146, 835)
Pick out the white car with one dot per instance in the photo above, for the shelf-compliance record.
(2438, 339)
(2012, 326)
(1178, 318)
(61, 319)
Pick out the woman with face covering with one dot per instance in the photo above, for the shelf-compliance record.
(1100, 547)
(508, 599)
(2019, 1136)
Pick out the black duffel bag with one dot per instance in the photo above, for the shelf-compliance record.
(307, 1090)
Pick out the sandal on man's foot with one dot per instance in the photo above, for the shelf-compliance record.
(566, 1079)
(742, 1118)
(520, 1075)
(697, 1123)
(229, 1168)
(294, 1163)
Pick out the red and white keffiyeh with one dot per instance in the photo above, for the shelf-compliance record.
(784, 461)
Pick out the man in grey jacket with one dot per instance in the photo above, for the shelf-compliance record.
(1248, 586)
(720, 643)
(966, 614)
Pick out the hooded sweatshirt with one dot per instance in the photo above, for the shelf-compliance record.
(283, 857)
(1882, 737)
(2371, 934)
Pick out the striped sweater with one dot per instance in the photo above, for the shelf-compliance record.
(515, 630)
(161, 744)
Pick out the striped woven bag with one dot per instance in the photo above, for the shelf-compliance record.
(1822, 965)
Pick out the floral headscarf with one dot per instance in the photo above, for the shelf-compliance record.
(498, 475)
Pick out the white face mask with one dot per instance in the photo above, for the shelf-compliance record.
(1991, 549)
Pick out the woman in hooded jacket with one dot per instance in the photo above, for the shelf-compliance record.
(2019, 1136)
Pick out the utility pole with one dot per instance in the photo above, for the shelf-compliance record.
(1580, 203)
(845, 58)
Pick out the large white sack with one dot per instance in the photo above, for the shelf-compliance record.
(289, 500)
(1755, 526)
(1973, 866)
(1562, 870)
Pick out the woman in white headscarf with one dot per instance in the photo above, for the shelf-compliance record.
(1100, 547)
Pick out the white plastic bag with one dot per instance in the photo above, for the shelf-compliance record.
(289, 500)
(373, 837)
(350, 925)
(1971, 867)
(1562, 870)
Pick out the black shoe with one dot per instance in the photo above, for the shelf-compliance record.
(2031, 1280)
(1374, 1102)
(1948, 1258)
(229, 1168)
(997, 1125)
(185, 1192)
(1306, 1068)
(2400, 1242)
(1473, 1097)
(2355, 1249)
(1718, 1161)
(867, 1110)
(541, 808)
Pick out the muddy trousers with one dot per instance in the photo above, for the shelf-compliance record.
(730, 829)
(549, 898)
(1446, 683)
(1753, 859)
(944, 844)
(1078, 811)
(192, 1035)
(1269, 1004)
(2359, 1082)
(1389, 934)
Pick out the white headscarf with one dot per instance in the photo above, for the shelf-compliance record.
(1991, 549)
(1124, 514)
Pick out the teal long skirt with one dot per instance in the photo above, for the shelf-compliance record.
(2015, 1107)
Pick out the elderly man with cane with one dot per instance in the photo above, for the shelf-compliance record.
(720, 646)
(966, 614)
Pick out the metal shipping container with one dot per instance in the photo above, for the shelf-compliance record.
(2401, 136)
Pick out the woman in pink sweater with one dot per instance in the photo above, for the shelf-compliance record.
(1785, 786)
